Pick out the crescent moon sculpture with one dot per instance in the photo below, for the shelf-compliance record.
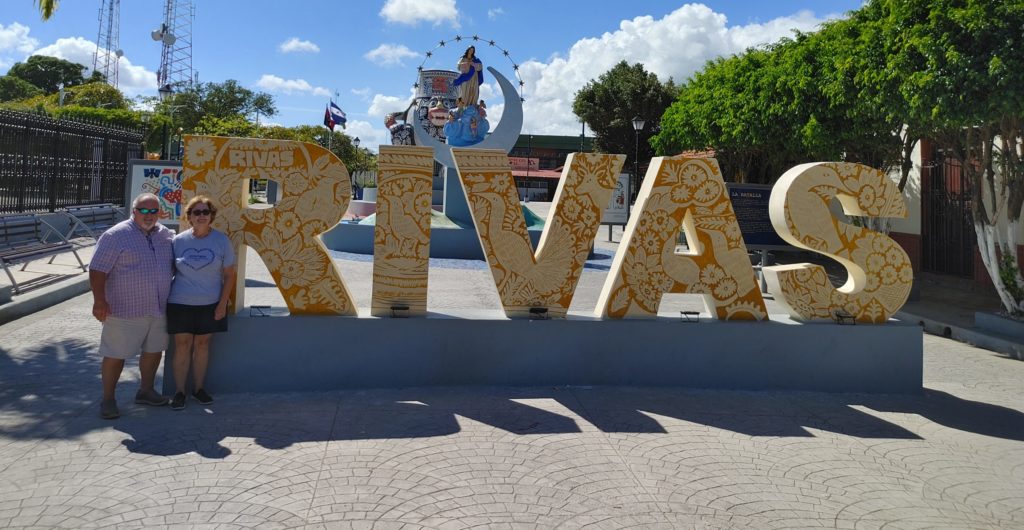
(503, 137)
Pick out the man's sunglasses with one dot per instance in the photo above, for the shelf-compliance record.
(147, 211)
(199, 212)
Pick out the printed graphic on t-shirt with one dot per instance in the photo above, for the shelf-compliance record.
(197, 259)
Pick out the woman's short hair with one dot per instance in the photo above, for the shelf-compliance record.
(201, 199)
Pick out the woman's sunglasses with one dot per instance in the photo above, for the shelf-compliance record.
(200, 212)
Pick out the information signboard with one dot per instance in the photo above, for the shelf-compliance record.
(750, 202)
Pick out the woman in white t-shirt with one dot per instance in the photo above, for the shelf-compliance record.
(204, 274)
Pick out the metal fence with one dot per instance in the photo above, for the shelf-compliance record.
(947, 228)
(47, 163)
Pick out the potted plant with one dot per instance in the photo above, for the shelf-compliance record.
(370, 191)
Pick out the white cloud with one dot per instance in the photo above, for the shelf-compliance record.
(412, 12)
(389, 54)
(294, 45)
(381, 105)
(676, 46)
(361, 92)
(493, 14)
(370, 137)
(132, 79)
(275, 84)
(15, 43)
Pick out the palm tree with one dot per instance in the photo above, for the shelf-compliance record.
(47, 8)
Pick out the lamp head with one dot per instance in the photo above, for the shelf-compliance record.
(165, 91)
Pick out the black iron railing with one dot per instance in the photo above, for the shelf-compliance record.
(947, 230)
(47, 163)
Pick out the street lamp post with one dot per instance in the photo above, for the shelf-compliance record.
(638, 125)
(164, 92)
(145, 117)
(355, 143)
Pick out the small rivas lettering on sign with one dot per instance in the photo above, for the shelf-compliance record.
(678, 194)
(261, 158)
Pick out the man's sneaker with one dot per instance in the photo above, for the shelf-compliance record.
(178, 403)
(108, 409)
(202, 397)
(150, 397)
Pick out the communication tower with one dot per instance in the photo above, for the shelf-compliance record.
(108, 51)
(175, 35)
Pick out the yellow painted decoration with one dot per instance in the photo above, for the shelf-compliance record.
(689, 194)
(545, 279)
(315, 194)
(401, 237)
(880, 274)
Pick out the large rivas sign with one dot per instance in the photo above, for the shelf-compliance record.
(677, 193)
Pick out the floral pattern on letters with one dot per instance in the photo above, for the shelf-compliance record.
(316, 191)
(401, 238)
(684, 194)
(880, 273)
(545, 279)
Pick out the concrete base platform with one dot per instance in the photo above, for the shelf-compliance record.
(285, 353)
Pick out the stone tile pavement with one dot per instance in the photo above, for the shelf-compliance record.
(498, 457)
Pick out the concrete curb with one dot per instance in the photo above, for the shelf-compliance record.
(51, 295)
(973, 336)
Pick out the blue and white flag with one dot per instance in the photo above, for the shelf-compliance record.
(334, 116)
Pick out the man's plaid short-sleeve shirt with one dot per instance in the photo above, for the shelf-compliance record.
(138, 267)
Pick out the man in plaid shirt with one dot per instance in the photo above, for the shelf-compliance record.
(130, 276)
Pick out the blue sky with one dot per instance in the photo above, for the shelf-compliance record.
(304, 51)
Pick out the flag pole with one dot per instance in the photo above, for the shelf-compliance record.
(330, 138)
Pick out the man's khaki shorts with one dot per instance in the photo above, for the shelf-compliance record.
(124, 338)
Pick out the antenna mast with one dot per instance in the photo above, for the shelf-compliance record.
(176, 36)
(108, 50)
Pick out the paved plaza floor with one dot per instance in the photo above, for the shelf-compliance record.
(551, 457)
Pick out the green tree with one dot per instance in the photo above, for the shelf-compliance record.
(98, 94)
(964, 73)
(745, 107)
(14, 88)
(219, 100)
(48, 73)
(609, 104)
(235, 125)
(47, 8)
(828, 95)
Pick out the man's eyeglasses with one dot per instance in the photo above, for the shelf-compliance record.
(200, 212)
(147, 211)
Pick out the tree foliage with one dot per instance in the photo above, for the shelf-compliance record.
(96, 94)
(965, 76)
(744, 107)
(609, 104)
(218, 100)
(48, 73)
(828, 95)
(46, 8)
(14, 88)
